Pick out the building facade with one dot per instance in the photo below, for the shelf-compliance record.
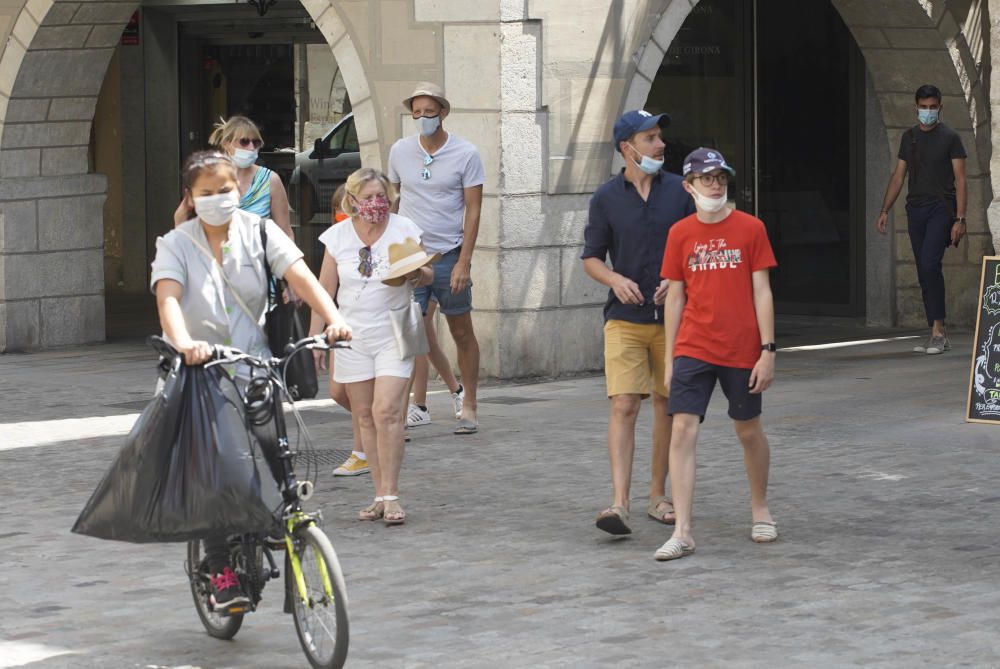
(537, 84)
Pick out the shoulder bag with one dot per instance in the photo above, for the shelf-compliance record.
(283, 326)
(408, 328)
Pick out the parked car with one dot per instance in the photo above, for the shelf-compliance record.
(317, 174)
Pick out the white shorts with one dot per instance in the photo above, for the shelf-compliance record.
(373, 353)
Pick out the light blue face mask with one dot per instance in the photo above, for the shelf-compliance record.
(648, 165)
(428, 125)
(928, 116)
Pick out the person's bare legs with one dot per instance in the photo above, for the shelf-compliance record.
(436, 357)
(662, 424)
(338, 393)
(757, 460)
(621, 444)
(389, 415)
(683, 438)
(468, 361)
(362, 396)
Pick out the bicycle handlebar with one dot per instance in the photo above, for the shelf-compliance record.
(221, 354)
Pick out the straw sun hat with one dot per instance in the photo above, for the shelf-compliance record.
(405, 257)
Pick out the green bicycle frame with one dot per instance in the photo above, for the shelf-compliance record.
(296, 520)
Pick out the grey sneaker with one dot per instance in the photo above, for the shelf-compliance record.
(457, 399)
(938, 345)
(922, 348)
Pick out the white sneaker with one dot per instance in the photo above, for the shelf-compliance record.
(416, 416)
(458, 398)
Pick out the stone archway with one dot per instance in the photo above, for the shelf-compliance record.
(51, 203)
(950, 49)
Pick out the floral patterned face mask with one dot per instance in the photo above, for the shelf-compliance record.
(373, 211)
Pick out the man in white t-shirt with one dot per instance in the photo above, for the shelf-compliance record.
(440, 178)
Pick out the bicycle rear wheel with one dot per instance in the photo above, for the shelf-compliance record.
(220, 627)
(320, 622)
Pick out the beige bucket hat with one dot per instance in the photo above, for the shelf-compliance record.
(405, 257)
(431, 90)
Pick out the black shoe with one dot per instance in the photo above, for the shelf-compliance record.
(226, 590)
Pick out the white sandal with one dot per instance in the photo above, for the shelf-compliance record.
(764, 532)
(673, 549)
(399, 516)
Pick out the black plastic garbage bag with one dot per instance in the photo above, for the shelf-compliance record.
(187, 469)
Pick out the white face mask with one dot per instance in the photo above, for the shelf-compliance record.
(244, 158)
(218, 209)
(428, 125)
(709, 205)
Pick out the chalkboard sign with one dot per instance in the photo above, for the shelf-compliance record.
(984, 380)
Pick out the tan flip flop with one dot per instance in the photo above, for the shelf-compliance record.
(614, 520)
(466, 426)
(653, 510)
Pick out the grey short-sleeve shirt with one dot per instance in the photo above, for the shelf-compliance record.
(432, 187)
(211, 313)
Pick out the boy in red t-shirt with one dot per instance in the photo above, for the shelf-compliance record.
(719, 315)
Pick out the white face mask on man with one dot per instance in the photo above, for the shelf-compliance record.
(217, 210)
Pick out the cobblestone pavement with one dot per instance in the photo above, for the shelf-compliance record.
(886, 500)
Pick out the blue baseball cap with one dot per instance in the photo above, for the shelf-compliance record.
(703, 161)
(635, 121)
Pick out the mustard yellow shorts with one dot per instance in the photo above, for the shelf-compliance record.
(634, 355)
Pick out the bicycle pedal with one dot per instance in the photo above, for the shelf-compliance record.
(236, 609)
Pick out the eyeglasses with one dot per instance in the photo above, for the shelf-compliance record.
(246, 141)
(365, 262)
(709, 179)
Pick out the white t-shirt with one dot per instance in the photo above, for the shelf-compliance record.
(436, 203)
(365, 302)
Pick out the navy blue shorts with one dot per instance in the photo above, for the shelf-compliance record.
(694, 380)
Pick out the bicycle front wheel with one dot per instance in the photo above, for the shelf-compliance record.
(320, 618)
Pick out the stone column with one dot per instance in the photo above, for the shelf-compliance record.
(51, 208)
(993, 211)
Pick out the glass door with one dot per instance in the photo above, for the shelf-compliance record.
(809, 113)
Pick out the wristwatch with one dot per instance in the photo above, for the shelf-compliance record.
(772, 347)
(960, 219)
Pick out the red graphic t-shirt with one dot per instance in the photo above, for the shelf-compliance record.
(716, 262)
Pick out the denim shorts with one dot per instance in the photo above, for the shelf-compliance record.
(451, 304)
(694, 380)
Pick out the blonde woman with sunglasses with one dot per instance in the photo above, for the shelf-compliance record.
(261, 190)
(373, 373)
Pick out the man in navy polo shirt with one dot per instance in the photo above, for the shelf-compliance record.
(629, 219)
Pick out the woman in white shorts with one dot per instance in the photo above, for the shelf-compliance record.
(376, 378)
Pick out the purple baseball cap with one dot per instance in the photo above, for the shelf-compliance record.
(703, 161)
(635, 121)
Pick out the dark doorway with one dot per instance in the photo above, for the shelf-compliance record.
(778, 87)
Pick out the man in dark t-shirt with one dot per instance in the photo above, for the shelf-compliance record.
(933, 155)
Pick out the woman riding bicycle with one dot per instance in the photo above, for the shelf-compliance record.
(210, 286)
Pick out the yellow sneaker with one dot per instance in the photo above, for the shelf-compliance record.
(353, 466)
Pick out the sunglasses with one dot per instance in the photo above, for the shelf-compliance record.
(365, 262)
(246, 141)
